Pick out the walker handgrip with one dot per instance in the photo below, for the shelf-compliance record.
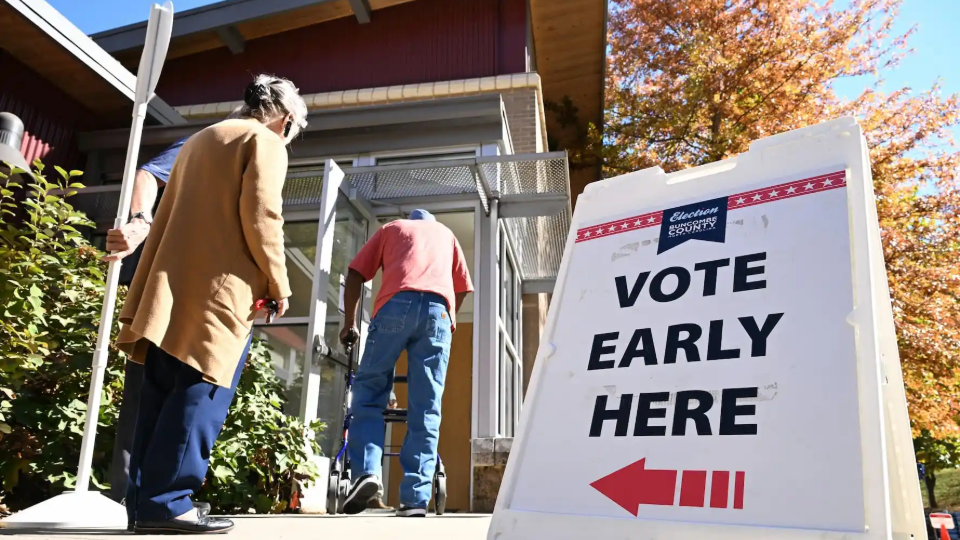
(320, 348)
(351, 338)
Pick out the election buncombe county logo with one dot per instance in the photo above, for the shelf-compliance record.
(705, 221)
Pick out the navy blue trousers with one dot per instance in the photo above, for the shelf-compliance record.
(178, 421)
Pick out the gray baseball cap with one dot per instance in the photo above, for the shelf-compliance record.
(419, 213)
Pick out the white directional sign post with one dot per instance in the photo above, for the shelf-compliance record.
(719, 360)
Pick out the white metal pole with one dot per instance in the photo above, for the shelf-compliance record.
(102, 352)
(159, 28)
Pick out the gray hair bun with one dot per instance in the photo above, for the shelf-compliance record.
(269, 97)
(256, 94)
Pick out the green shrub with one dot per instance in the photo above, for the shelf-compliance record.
(51, 294)
(261, 450)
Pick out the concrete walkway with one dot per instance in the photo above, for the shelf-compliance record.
(363, 527)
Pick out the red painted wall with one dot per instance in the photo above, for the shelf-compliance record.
(422, 41)
(50, 118)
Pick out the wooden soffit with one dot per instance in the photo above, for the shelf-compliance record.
(209, 39)
(569, 38)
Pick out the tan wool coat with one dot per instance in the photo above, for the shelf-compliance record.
(215, 247)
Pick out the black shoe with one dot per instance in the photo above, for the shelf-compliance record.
(203, 509)
(411, 511)
(364, 489)
(205, 525)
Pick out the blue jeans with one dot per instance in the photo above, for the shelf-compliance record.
(179, 419)
(420, 323)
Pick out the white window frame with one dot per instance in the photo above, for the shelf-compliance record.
(506, 254)
(425, 152)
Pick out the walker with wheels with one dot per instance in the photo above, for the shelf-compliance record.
(339, 480)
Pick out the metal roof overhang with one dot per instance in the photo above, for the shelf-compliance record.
(203, 18)
(362, 129)
(62, 32)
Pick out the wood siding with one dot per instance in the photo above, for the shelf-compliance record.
(415, 42)
(50, 118)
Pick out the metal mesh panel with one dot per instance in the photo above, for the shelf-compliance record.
(99, 207)
(102, 207)
(414, 182)
(302, 191)
(528, 176)
(540, 241)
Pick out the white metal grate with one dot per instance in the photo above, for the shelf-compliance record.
(414, 182)
(529, 174)
(539, 241)
(302, 191)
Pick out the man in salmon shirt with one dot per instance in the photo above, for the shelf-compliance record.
(424, 282)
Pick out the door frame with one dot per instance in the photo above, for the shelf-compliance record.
(333, 177)
(447, 207)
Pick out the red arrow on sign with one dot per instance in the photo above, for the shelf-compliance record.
(634, 485)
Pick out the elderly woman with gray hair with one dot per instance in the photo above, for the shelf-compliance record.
(215, 249)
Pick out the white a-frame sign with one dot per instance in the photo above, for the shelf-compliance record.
(720, 360)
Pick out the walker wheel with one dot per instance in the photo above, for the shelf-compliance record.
(343, 492)
(333, 500)
(440, 493)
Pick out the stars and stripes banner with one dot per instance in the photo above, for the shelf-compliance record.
(797, 188)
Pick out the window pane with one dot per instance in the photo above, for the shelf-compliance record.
(300, 244)
(517, 389)
(503, 298)
(509, 299)
(332, 392)
(508, 389)
(330, 403)
(502, 385)
(350, 233)
(511, 395)
(288, 344)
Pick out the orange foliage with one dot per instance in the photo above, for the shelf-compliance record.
(694, 81)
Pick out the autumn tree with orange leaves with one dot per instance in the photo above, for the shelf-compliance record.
(695, 81)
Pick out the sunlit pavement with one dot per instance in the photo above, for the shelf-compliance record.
(379, 526)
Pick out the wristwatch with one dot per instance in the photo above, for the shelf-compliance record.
(141, 215)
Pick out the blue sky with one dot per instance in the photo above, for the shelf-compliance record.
(936, 42)
(936, 50)
(92, 16)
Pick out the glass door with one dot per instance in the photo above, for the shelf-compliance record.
(317, 255)
(350, 233)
